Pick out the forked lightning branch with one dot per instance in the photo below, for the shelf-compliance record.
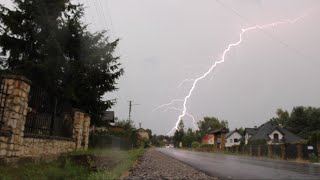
(223, 56)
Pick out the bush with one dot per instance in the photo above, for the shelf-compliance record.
(195, 144)
(206, 145)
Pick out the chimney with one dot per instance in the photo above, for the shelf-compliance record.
(255, 127)
(280, 125)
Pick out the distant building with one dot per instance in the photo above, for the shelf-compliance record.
(233, 138)
(248, 133)
(272, 133)
(208, 139)
(143, 134)
(219, 137)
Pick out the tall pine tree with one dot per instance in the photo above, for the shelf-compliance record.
(46, 41)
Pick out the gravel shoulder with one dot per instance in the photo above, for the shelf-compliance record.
(155, 165)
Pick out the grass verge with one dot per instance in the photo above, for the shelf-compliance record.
(66, 167)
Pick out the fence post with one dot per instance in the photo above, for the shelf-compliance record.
(283, 151)
(222, 141)
(318, 149)
(86, 127)
(13, 117)
(78, 124)
(299, 149)
(259, 150)
(269, 150)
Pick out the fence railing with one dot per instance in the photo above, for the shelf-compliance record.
(283, 151)
(109, 141)
(3, 100)
(46, 115)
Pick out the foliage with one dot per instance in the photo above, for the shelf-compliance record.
(189, 137)
(210, 123)
(206, 146)
(45, 41)
(63, 168)
(314, 138)
(66, 168)
(303, 121)
(195, 145)
(179, 134)
(241, 131)
(122, 167)
(159, 140)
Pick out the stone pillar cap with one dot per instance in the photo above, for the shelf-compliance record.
(16, 77)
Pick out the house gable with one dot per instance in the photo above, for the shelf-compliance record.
(233, 139)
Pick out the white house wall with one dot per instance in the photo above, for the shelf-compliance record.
(271, 135)
(233, 136)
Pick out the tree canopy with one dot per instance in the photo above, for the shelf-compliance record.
(46, 41)
(303, 121)
(210, 123)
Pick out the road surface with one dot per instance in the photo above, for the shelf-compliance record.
(241, 167)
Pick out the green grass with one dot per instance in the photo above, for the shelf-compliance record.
(115, 173)
(65, 168)
(59, 169)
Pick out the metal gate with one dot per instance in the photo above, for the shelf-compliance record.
(45, 115)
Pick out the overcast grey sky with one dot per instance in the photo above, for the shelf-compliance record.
(166, 41)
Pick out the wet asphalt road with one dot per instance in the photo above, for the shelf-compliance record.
(239, 167)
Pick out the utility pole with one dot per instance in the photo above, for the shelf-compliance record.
(130, 107)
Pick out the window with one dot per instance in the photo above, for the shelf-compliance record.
(235, 140)
(231, 140)
(276, 136)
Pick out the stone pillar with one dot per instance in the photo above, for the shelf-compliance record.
(14, 114)
(283, 151)
(222, 141)
(86, 128)
(299, 151)
(78, 124)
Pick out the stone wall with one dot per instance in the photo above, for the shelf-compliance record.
(41, 145)
(13, 141)
(14, 114)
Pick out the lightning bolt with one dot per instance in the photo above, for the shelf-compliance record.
(184, 81)
(193, 119)
(243, 31)
(168, 104)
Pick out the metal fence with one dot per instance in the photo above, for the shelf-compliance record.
(109, 141)
(3, 100)
(46, 115)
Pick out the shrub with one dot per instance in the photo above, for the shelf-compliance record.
(195, 144)
(206, 145)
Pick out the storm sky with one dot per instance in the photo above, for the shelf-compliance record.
(166, 41)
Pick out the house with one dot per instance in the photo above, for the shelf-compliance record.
(232, 138)
(208, 139)
(219, 137)
(273, 133)
(248, 132)
(143, 134)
